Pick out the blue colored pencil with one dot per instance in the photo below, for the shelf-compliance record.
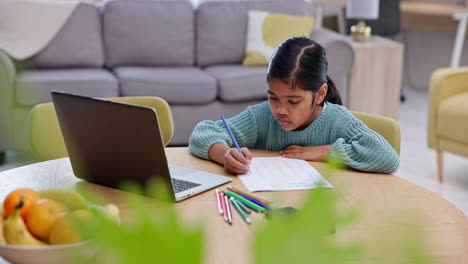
(232, 135)
(256, 202)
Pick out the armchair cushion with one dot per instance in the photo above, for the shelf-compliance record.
(184, 85)
(33, 87)
(453, 118)
(445, 84)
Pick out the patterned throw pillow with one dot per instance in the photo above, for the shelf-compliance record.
(267, 30)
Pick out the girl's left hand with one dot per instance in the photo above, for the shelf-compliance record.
(315, 153)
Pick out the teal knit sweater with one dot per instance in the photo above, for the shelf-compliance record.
(256, 128)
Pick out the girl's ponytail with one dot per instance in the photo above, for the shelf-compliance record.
(333, 96)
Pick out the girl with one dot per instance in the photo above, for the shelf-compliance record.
(302, 119)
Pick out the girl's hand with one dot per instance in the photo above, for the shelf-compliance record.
(235, 163)
(315, 153)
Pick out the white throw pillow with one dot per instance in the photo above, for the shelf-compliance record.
(265, 31)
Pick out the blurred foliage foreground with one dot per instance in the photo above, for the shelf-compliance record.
(157, 235)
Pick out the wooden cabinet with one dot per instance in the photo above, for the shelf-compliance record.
(375, 80)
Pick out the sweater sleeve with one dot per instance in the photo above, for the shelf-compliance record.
(363, 149)
(207, 133)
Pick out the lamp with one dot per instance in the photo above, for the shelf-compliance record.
(362, 9)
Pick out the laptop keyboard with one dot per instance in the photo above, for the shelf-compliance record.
(181, 185)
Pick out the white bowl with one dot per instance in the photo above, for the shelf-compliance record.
(44, 254)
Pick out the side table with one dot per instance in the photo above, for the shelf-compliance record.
(375, 80)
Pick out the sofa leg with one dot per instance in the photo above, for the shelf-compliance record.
(2, 157)
(440, 166)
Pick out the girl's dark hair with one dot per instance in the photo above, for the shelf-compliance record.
(300, 61)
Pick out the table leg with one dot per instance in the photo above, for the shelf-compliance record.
(341, 21)
(2, 157)
(318, 15)
(459, 39)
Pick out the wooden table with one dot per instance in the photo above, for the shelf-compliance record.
(385, 199)
(430, 16)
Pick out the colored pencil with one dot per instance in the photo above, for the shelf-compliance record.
(255, 202)
(241, 212)
(218, 201)
(247, 210)
(232, 137)
(228, 209)
(223, 203)
(248, 203)
(265, 202)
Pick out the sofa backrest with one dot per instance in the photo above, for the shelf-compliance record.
(77, 44)
(457, 2)
(149, 33)
(221, 27)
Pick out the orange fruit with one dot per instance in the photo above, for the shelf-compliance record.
(42, 217)
(65, 231)
(29, 197)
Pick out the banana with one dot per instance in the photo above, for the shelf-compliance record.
(74, 201)
(2, 237)
(71, 199)
(16, 232)
(110, 211)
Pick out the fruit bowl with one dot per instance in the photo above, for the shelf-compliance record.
(41, 227)
(44, 254)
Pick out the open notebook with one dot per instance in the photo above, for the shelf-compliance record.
(281, 174)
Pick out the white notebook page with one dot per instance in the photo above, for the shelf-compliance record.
(281, 174)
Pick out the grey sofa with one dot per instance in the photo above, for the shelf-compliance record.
(189, 56)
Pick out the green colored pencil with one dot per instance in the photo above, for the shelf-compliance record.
(245, 204)
(241, 212)
(248, 203)
(247, 210)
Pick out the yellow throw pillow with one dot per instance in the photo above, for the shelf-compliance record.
(266, 31)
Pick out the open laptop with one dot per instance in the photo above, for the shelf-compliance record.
(110, 143)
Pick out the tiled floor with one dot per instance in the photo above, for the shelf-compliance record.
(418, 162)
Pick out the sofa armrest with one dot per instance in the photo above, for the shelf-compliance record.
(340, 51)
(7, 80)
(444, 83)
(340, 56)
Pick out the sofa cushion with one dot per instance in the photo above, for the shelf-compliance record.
(222, 27)
(33, 87)
(149, 33)
(238, 83)
(77, 44)
(184, 85)
(452, 122)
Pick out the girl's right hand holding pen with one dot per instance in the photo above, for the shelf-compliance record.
(232, 160)
(235, 163)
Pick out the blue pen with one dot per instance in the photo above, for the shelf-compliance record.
(232, 135)
(255, 202)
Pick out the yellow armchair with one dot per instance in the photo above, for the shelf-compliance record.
(448, 113)
(45, 135)
(388, 128)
